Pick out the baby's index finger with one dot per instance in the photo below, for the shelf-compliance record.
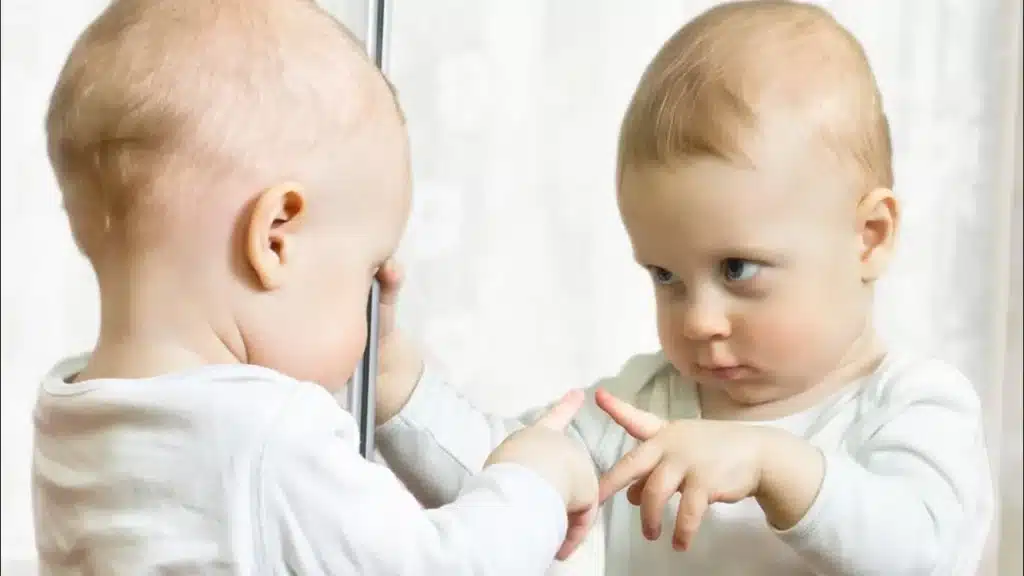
(390, 277)
(392, 270)
(640, 424)
(390, 273)
(561, 414)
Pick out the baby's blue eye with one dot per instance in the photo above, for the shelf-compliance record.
(660, 275)
(739, 270)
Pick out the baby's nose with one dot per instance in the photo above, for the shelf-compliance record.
(704, 320)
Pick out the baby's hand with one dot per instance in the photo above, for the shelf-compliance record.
(706, 461)
(399, 361)
(545, 449)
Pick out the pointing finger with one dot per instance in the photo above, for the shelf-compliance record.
(561, 414)
(390, 277)
(638, 423)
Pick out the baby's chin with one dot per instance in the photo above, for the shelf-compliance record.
(759, 396)
(751, 392)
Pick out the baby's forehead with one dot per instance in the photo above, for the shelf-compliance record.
(768, 173)
(716, 207)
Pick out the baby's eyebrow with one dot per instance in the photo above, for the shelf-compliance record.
(761, 254)
(750, 252)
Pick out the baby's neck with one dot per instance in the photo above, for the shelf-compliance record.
(156, 322)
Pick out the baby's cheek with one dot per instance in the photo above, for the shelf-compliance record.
(335, 333)
(337, 347)
(780, 339)
(670, 336)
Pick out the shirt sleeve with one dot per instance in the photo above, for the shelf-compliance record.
(439, 439)
(913, 496)
(329, 511)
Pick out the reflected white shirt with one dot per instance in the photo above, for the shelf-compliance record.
(906, 491)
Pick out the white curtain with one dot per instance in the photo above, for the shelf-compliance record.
(520, 275)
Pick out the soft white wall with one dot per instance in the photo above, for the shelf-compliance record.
(42, 318)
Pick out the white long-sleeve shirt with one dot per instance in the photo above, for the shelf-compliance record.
(906, 490)
(241, 470)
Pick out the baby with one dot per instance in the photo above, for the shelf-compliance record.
(237, 173)
(755, 182)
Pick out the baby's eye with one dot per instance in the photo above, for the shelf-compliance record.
(739, 270)
(660, 275)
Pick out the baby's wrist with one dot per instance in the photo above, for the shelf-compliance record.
(398, 379)
(790, 471)
(767, 452)
(409, 365)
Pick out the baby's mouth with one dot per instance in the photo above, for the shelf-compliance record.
(725, 372)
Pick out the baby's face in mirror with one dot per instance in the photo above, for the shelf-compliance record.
(755, 269)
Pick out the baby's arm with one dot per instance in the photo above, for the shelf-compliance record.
(915, 498)
(439, 439)
(325, 510)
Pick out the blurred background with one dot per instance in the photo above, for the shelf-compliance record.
(520, 277)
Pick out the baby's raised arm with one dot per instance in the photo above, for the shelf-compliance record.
(439, 439)
(326, 510)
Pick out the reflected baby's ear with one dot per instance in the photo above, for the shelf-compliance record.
(877, 227)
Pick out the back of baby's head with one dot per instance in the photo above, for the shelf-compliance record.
(748, 76)
(166, 109)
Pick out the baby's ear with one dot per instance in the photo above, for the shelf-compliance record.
(270, 236)
(878, 218)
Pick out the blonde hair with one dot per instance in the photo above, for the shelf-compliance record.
(741, 65)
(161, 99)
